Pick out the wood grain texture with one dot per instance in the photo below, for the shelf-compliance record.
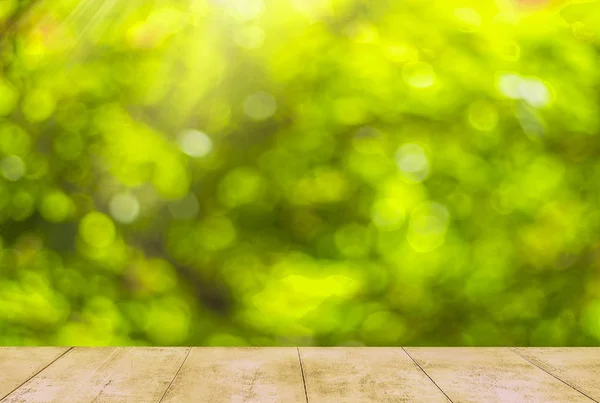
(132, 375)
(579, 367)
(491, 375)
(271, 374)
(18, 364)
(236, 375)
(365, 375)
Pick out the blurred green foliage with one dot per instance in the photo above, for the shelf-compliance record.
(323, 172)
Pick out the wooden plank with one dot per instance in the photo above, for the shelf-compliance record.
(365, 374)
(578, 367)
(18, 364)
(235, 375)
(491, 375)
(104, 374)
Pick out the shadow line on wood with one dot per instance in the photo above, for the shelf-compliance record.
(551, 374)
(302, 372)
(36, 373)
(436, 385)
(175, 376)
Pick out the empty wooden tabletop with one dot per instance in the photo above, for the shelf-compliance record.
(305, 374)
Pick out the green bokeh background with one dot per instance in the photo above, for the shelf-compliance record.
(299, 172)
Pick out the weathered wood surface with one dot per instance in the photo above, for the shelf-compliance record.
(365, 374)
(306, 374)
(578, 367)
(239, 375)
(491, 375)
(108, 374)
(19, 364)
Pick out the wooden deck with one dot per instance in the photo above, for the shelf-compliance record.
(305, 374)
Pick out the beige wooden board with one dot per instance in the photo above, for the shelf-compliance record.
(364, 375)
(18, 364)
(236, 375)
(132, 375)
(579, 367)
(491, 375)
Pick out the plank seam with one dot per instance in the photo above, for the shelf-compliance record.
(176, 373)
(36, 374)
(552, 375)
(302, 372)
(427, 375)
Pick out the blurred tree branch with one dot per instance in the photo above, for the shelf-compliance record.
(208, 290)
(19, 14)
